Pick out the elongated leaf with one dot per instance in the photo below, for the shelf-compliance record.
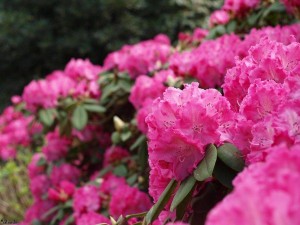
(224, 174)
(125, 135)
(46, 116)
(138, 142)
(161, 203)
(120, 171)
(94, 108)
(231, 156)
(185, 188)
(80, 117)
(206, 166)
(181, 208)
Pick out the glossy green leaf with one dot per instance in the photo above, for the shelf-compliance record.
(125, 135)
(47, 116)
(120, 170)
(138, 142)
(224, 174)
(161, 203)
(185, 188)
(94, 108)
(115, 137)
(206, 166)
(80, 117)
(132, 179)
(231, 156)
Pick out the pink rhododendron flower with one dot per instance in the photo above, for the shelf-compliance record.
(291, 5)
(128, 200)
(39, 186)
(219, 17)
(86, 199)
(110, 184)
(269, 199)
(240, 7)
(114, 154)
(63, 192)
(140, 58)
(181, 124)
(92, 218)
(56, 146)
(196, 37)
(37, 210)
(64, 172)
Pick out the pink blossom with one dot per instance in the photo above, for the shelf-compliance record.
(37, 210)
(86, 199)
(140, 58)
(33, 168)
(219, 17)
(181, 124)
(56, 146)
(291, 5)
(64, 172)
(128, 200)
(271, 199)
(114, 154)
(110, 184)
(196, 37)
(39, 186)
(92, 218)
(240, 7)
(79, 69)
(63, 192)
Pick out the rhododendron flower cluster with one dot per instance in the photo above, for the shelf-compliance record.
(271, 198)
(141, 58)
(181, 124)
(206, 132)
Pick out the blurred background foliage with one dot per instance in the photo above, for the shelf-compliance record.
(37, 37)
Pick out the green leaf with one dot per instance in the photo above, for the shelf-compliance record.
(91, 101)
(161, 203)
(69, 220)
(224, 174)
(47, 116)
(125, 135)
(94, 108)
(231, 156)
(185, 188)
(120, 170)
(206, 166)
(115, 138)
(41, 162)
(50, 211)
(132, 179)
(231, 26)
(181, 208)
(138, 142)
(80, 117)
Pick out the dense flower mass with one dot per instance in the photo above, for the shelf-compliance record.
(157, 134)
(181, 124)
(271, 199)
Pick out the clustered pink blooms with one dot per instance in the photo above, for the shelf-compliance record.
(208, 62)
(263, 89)
(219, 17)
(264, 193)
(240, 7)
(141, 58)
(195, 38)
(291, 5)
(181, 124)
(16, 131)
(79, 79)
(145, 90)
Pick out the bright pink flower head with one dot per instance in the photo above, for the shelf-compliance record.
(264, 193)
(181, 124)
(37, 210)
(140, 58)
(291, 5)
(63, 192)
(56, 146)
(64, 172)
(240, 7)
(79, 69)
(114, 154)
(219, 17)
(110, 184)
(39, 186)
(40, 94)
(177, 223)
(92, 218)
(196, 37)
(86, 199)
(128, 200)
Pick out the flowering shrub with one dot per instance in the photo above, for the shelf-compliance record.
(160, 135)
